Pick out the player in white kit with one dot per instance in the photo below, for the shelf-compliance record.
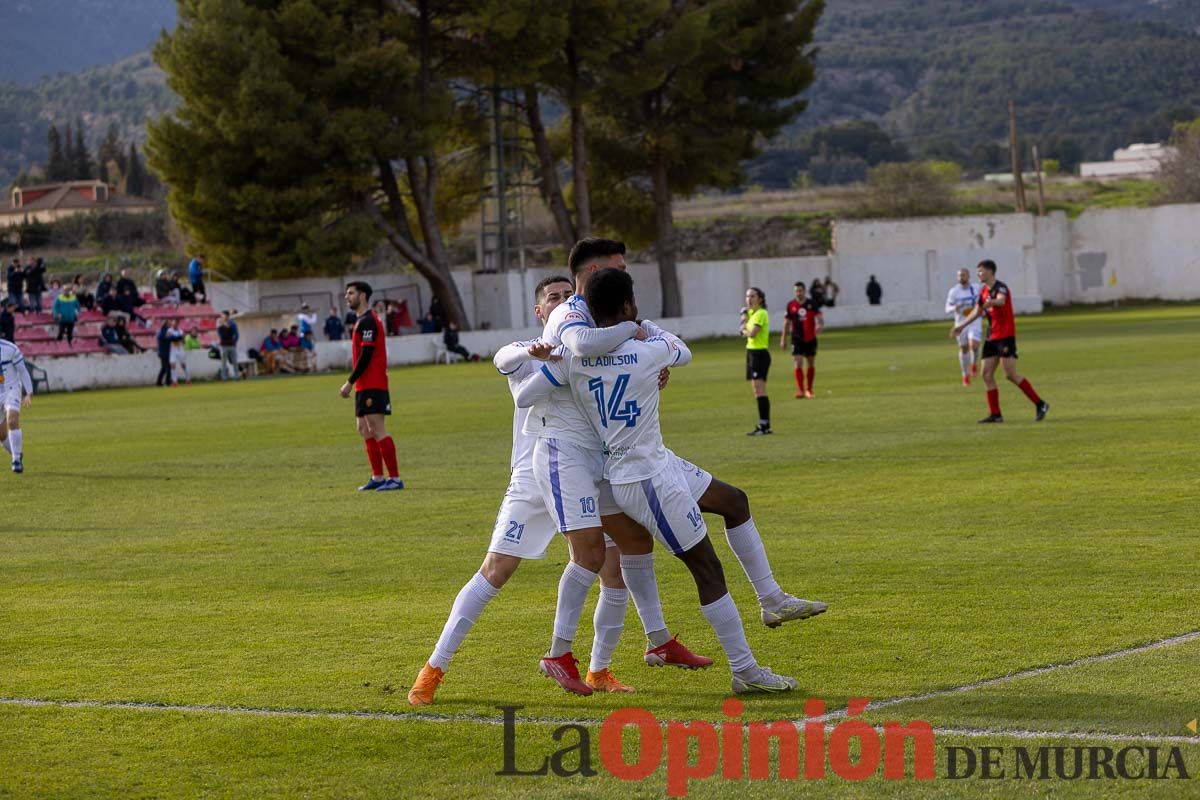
(523, 530)
(618, 393)
(14, 383)
(960, 302)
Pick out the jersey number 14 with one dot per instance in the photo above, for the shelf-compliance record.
(612, 409)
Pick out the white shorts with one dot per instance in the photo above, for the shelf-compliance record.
(971, 333)
(523, 526)
(698, 479)
(11, 398)
(568, 477)
(664, 506)
(178, 356)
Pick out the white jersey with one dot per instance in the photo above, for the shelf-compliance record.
(513, 362)
(617, 393)
(556, 415)
(13, 374)
(961, 300)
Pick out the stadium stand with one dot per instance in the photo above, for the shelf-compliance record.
(36, 333)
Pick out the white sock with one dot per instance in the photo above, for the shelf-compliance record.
(747, 545)
(964, 359)
(723, 616)
(638, 572)
(472, 599)
(14, 443)
(609, 621)
(573, 590)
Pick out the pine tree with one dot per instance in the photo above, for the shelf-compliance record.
(82, 167)
(109, 157)
(56, 163)
(135, 176)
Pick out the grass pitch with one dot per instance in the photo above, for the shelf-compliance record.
(204, 546)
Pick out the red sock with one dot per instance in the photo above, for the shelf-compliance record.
(994, 401)
(1029, 392)
(388, 448)
(811, 371)
(799, 379)
(375, 457)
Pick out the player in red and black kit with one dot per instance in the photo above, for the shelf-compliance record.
(372, 403)
(995, 301)
(804, 321)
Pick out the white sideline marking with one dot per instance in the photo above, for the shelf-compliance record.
(419, 716)
(1016, 676)
(964, 733)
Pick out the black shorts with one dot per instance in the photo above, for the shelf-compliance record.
(1000, 348)
(758, 364)
(372, 401)
(803, 348)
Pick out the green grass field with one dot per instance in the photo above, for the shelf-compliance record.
(204, 546)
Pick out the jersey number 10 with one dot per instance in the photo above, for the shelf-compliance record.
(612, 409)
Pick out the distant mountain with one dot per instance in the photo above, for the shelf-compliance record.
(40, 38)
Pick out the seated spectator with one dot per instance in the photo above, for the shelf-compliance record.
(271, 350)
(106, 283)
(450, 338)
(127, 303)
(290, 359)
(125, 338)
(8, 321)
(66, 312)
(162, 285)
(334, 328)
(108, 302)
(126, 284)
(86, 299)
(428, 324)
(110, 338)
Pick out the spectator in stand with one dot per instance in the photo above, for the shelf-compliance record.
(106, 283)
(271, 350)
(428, 324)
(16, 284)
(196, 278)
(334, 328)
(127, 305)
(110, 338)
(162, 285)
(87, 300)
(55, 291)
(184, 292)
(164, 354)
(306, 319)
(66, 313)
(127, 284)
(192, 340)
(290, 357)
(874, 291)
(125, 337)
(831, 292)
(35, 283)
(450, 338)
(8, 320)
(178, 356)
(438, 313)
(109, 303)
(227, 337)
(308, 353)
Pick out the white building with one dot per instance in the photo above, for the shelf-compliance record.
(1135, 161)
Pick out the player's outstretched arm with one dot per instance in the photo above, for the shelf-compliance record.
(583, 340)
(26, 381)
(951, 306)
(508, 359)
(539, 384)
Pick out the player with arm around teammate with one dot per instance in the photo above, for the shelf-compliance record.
(620, 393)
(995, 301)
(960, 302)
(16, 390)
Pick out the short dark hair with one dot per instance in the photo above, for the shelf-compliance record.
(360, 286)
(794, 285)
(987, 263)
(585, 250)
(544, 282)
(608, 290)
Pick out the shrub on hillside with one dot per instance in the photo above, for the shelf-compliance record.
(919, 189)
(1181, 174)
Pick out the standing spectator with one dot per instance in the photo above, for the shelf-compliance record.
(8, 321)
(755, 327)
(450, 339)
(227, 336)
(164, 354)
(35, 283)
(306, 319)
(831, 292)
(86, 299)
(874, 291)
(271, 350)
(192, 340)
(437, 313)
(16, 284)
(394, 318)
(110, 338)
(55, 291)
(349, 320)
(335, 329)
(66, 312)
(816, 293)
(196, 278)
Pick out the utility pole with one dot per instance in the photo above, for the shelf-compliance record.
(1037, 166)
(1019, 181)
